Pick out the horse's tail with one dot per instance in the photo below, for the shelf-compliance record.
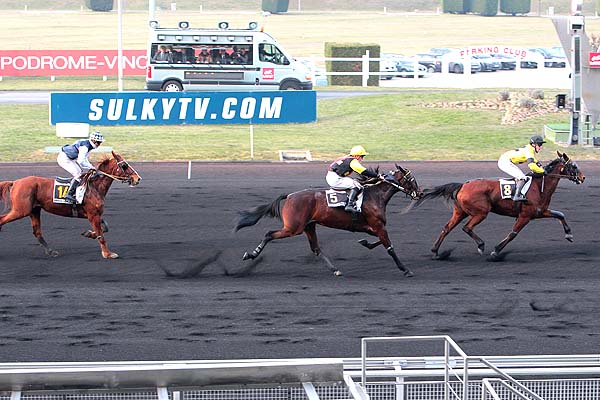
(447, 191)
(251, 217)
(5, 187)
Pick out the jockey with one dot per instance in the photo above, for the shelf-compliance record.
(509, 160)
(74, 159)
(339, 170)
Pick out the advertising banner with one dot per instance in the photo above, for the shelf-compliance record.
(70, 63)
(176, 108)
(594, 60)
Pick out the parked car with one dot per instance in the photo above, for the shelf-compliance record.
(406, 68)
(558, 54)
(319, 73)
(389, 67)
(506, 62)
(457, 67)
(549, 60)
(487, 62)
(440, 50)
(433, 62)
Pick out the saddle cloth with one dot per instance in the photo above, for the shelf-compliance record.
(507, 187)
(339, 198)
(61, 187)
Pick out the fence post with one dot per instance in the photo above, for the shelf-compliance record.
(365, 68)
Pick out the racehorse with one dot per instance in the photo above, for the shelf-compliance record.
(477, 198)
(29, 195)
(303, 210)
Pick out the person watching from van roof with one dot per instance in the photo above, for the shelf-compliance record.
(241, 56)
(223, 57)
(162, 55)
(204, 56)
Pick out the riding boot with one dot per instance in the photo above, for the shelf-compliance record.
(519, 186)
(351, 206)
(70, 197)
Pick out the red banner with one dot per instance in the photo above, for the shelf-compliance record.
(70, 62)
(594, 60)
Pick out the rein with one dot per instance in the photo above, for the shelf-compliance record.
(113, 177)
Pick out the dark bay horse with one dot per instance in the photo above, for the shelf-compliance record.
(303, 210)
(477, 198)
(28, 196)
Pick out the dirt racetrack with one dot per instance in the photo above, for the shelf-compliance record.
(542, 299)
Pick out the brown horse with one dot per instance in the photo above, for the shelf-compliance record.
(303, 210)
(29, 195)
(476, 199)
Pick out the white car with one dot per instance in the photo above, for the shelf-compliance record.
(387, 66)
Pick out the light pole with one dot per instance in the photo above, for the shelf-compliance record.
(576, 25)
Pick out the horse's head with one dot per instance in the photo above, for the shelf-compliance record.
(406, 182)
(119, 169)
(570, 169)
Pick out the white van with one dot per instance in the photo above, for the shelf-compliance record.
(186, 58)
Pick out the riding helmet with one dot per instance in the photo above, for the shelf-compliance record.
(537, 139)
(358, 151)
(97, 137)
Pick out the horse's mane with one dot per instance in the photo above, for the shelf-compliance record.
(105, 160)
(550, 166)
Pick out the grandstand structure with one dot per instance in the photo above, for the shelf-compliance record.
(449, 374)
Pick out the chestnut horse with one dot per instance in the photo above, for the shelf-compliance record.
(477, 198)
(303, 210)
(29, 195)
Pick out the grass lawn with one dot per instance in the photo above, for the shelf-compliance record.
(390, 126)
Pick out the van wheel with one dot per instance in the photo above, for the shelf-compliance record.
(172, 86)
(290, 86)
(431, 69)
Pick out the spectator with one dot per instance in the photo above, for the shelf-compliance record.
(204, 57)
(241, 56)
(162, 55)
(223, 57)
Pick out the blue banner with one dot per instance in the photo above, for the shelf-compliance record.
(175, 108)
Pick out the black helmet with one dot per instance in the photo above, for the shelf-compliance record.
(537, 139)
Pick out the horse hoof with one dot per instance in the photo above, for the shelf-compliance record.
(363, 242)
(409, 274)
(480, 250)
(53, 253)
(247, 256)
(337, 273)
(110, 256)
(569, 237)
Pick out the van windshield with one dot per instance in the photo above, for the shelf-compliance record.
(270, 53)
(178, 53)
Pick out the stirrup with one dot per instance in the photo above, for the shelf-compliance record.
(350, 208)
(519, 198)
(70, 198)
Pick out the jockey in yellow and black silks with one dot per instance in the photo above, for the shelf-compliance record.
(339, 174)
(509, 160)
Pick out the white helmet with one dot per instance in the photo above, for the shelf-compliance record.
(97, 137)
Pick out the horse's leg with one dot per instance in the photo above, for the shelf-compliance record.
(36, 224)
(457, 215)
(96, 233)
(561, 217)
(368, 245)
(311, 234)
(468, 229)
(517, 227)
(382, 234)
(271, 235)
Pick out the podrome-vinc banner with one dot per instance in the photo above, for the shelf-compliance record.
(176, 108)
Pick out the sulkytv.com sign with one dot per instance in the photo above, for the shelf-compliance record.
(70, 63)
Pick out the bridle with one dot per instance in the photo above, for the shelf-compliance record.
(123, 166)
(570, 176)
(407, 177)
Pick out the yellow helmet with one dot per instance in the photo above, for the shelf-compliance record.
(358, 151)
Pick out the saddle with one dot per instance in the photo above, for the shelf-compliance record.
(508, 185)
(61, 187)
(339, 198)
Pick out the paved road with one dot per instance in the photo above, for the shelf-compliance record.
(78, 307)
